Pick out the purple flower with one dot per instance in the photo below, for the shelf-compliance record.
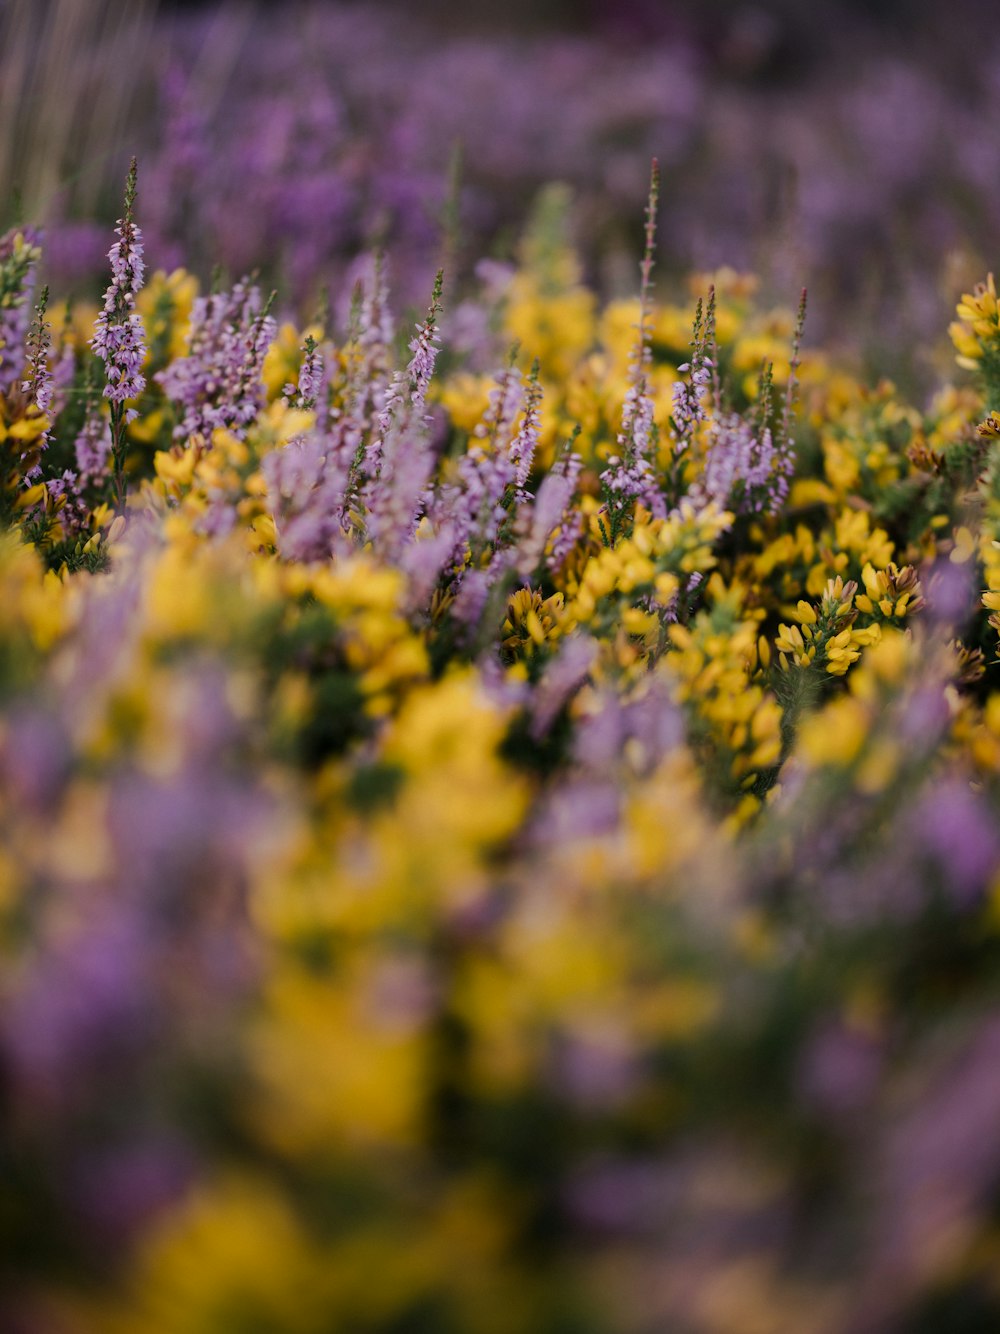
(119, 337)
(19, 254)
(745, 469)
(689, 395)
(959, 834)
(306, 484)
(570, 522)
(488, 471)
(37, 382)
(631, 474)
(217, 382)
(93, 445)
(563, 676)
(423, 561)
(524, 444)
(393, 505)
(413, 384)
(312, 378)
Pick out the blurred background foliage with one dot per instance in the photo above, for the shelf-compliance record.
(846, 144)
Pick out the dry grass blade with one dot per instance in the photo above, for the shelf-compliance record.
(70, 71)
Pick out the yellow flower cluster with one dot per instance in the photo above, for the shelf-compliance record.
(830, 635)
(651, 563)
(736, 720)
(976, 332)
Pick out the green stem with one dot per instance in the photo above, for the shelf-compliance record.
(118, 454)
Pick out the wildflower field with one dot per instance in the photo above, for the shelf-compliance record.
(499, 807)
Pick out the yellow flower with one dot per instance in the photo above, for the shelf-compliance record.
(978, 326)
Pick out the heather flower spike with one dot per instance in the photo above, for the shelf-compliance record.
(19, 255)
(93, 442)
(305, 394)
(37, 383)
(424, 348)
(631, 472)
(119, 338)
(217, 383)
(648, 258)
(793, 374)
(525, 442)
(414, 382)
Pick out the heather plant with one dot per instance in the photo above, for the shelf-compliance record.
(119, 334)
(493, 842)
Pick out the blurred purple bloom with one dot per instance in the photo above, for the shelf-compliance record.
(954, 827)
(307, 484)
(119, 337)
(217, 381)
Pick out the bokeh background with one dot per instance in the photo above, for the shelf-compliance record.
(850, 146)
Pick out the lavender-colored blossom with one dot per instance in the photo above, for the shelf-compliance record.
(649, 719)
(219, 517)
(951, 594)
(621, 1196)
(688, 410)
(37, 382)
(631, 473)
(182, 176)
(393, 506)
(412, 385)
(117, 1190)
(63, 486)
(370, 379)
(35, 759)
(744, 468)
(81, 1008)
(594, 1067)
(470, 601)
(312, 378)
(937, 1164)
(19, 254)
(487, 472)
(562, 677)
(425, 561)
(393, 499)
(119, 337)
(473, 509)
(217, 383)
(93, 447)
(557, 492)
(959, 835)
(545, 514)
(630, 479)
(580, 810)
(839, 1070)
(525, 442)
(689, 395)
(306, 483)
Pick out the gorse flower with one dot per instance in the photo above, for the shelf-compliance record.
(976, 334)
